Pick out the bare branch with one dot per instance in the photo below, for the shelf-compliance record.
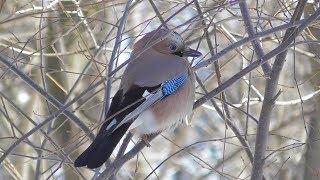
(282, 47)
(271, 94)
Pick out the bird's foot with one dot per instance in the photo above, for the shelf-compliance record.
(145, 139)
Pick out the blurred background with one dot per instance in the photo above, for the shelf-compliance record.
(65, 46)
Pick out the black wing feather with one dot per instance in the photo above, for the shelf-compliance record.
(103, 145)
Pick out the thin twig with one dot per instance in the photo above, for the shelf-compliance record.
(43, 93)
(49, 119)
(251, 32)
(282, 47)
(114, 54)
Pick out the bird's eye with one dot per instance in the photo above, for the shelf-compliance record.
(173, 47)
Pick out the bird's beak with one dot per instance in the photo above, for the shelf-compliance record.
(188, 52)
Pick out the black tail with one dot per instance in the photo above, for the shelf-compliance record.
(91, 151)
(101, 148)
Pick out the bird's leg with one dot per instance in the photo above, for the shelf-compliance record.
(145, 139)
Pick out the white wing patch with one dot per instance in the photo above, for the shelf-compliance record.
(146, 94)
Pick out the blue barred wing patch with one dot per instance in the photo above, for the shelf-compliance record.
(170, 86)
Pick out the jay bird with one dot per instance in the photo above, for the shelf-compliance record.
(142, 105)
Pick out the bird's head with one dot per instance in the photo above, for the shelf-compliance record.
(166, 42)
